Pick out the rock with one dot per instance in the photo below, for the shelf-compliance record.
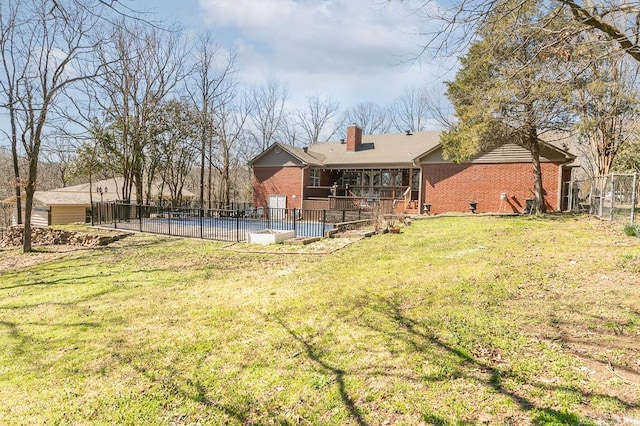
(12, 237)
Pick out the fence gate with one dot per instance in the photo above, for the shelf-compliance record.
(614, 197)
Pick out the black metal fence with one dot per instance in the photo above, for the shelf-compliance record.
(216, 224)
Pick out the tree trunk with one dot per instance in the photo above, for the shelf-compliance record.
(16, 167)
(29, 190)
(202, 168)
(209, 178)
(538, 190)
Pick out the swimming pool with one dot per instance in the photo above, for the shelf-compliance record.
(220, 228)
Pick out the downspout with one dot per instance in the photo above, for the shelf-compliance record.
(560, 187)
(302, 185)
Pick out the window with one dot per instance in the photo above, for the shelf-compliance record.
(386, 178)
(314, 177)
(397, 178)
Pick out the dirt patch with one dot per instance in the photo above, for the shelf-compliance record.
(14, 259)
(49, 245)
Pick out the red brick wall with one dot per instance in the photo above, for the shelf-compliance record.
(354, 138)
(449, 187)
(278, 181)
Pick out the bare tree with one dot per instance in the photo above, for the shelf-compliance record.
(87, 162)
(45, 47)
(13, 75)
(269, 115)
(412, 110)
(369, 116)
(60, 153)
(140, 73)
(7, 173)
(231, 121)
(315, 118)
(607, 100)
(460, 21)
(290, 132)
(210, 88)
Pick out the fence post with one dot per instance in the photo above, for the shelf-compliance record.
(324, 216)
(634, 190)
(295, 233)
(344, 214)
(601, 198)
(613, 197)
(140, 215)
(201, 222)
(237, 225)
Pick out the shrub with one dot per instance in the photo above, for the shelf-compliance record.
(632, 230)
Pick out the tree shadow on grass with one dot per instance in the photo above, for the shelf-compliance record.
(338, 374)
(415, 335)
(174, 381)
(22, 340)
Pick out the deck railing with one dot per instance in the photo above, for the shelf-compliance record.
(381, 205)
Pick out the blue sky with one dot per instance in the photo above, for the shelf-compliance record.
(351, 50)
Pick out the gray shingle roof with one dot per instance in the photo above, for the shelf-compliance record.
(387, 150)
(79, 194)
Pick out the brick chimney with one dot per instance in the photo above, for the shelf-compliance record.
(354, 138)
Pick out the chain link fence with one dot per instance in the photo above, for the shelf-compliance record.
(614, 197)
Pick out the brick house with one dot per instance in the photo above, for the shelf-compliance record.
(405, 172)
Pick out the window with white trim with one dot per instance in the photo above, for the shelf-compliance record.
(314, 177)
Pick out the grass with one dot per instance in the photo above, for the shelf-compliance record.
(454, 321)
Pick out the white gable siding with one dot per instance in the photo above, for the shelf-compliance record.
(39, 216)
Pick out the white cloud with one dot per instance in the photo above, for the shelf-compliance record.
(351, 50)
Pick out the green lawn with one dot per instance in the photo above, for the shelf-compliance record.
(454, 321)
